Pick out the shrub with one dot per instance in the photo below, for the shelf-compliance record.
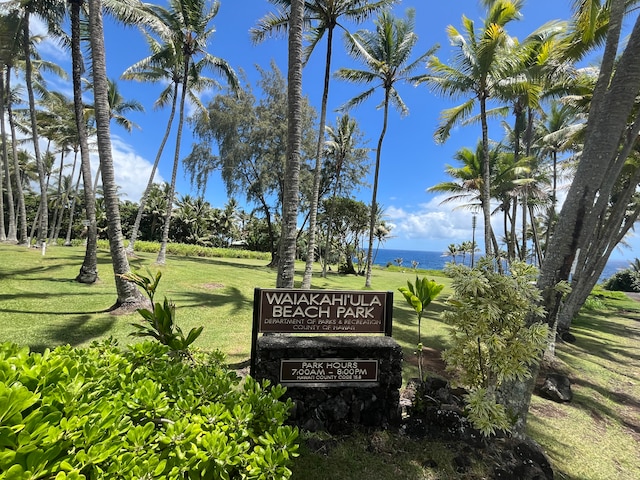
(490, 340)
(187, 250)
(627, 280)
(103, 413)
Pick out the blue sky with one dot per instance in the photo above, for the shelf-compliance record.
(411, 160)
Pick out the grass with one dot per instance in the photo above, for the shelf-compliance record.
(595, 437)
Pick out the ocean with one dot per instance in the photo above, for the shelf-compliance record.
(436, 260)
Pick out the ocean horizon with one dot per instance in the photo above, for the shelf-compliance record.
(431, 260)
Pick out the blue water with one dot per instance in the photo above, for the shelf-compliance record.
(436, 261)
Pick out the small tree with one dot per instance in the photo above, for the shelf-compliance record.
(419, 296)
(490, 341)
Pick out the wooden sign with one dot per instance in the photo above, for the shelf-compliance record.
(323, 311)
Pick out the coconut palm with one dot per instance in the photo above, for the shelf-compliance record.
(341, 148)
(9, 28)
(52, 13)
(118, 108)
(386, 53)
(475, 70)
(325, 16)
(185, 28)
(89, 269)
(128, 294)
(557, 134)
(465, 190)
(164, 65)
(452, 251)
(290, 197)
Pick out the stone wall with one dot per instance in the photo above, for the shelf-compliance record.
(336, 406)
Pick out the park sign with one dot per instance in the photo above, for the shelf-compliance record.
(281, 310)
(320, 371)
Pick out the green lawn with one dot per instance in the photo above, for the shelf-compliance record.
(595, 437)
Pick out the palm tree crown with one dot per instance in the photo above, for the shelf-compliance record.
(386, 53)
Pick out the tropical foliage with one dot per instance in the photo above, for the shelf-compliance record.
(491, 343)
(104, 412)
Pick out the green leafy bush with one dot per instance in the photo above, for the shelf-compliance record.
(104, 413)
(186, 250)
(490, 340)
(627, 280)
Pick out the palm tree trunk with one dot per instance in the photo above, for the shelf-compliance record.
(308, 271)
(44, 213)
(11, 235)
(129, 297)
(286, 263)
(67, 240)
(145, 195)
(327, 248)
(22, 211)
(65, 196)
(554, 195)
(162, 254)
(612, 103)
(3, 233)
(374, 196)
(56, 212)
(486, 179)
(89, 268)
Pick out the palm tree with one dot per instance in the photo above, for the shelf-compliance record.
(5, 176)
(557, 134)
(118, 108)
(52, 12)
(452, 251)
(467, 184)
(10, 48)
(89, 269)
(340, 147)
(326, 14)
(185, 28)
(9, 27)
(596, 211)
(475, 70)
(128, 294)
(163, 65)
(385, 52)
(287, 251)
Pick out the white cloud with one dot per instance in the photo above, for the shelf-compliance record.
(131, 170)
(429, 223)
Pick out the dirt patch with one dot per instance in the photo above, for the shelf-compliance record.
(212, 286)
(431, 361)
(547, 410)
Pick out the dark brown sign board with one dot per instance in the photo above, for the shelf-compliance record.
(323, 371)
(323, 311)
(327, 312)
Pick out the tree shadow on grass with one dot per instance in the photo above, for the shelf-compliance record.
(589, 339)
(599, 410)
(227, 262)
(76, 331)
(216, 298)
(557, 450)
(33, 297)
